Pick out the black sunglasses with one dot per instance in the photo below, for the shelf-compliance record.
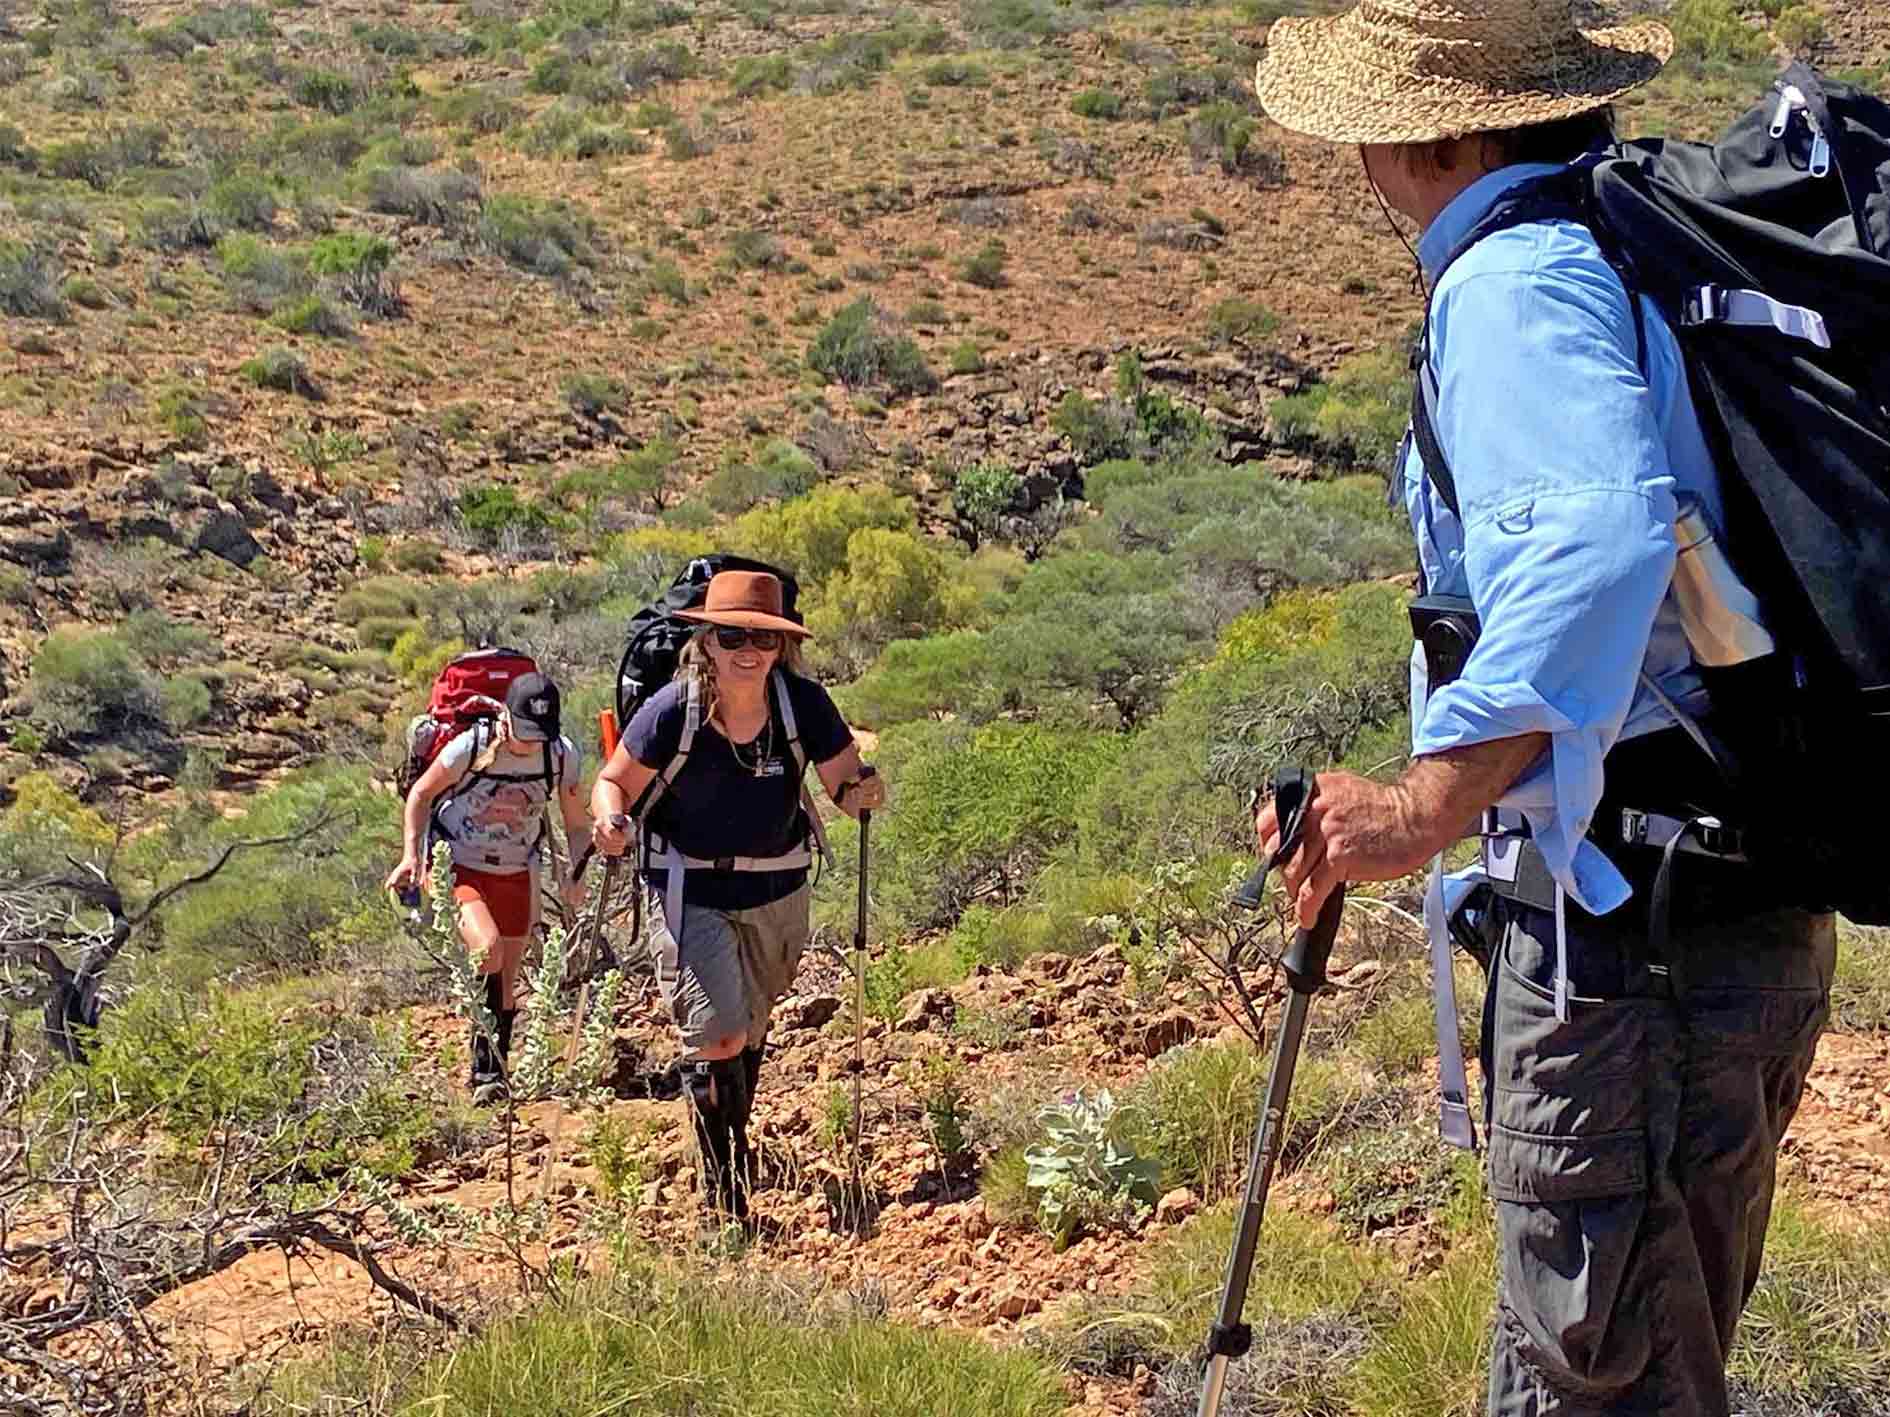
(735, 636)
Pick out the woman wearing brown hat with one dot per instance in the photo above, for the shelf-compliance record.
(1636, 1080)
(713, 766)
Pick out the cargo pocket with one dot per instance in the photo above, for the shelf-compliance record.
(1568, 1168)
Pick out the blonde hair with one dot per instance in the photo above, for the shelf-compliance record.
(696, 659)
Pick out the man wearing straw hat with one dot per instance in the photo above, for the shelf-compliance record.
(1637, 1081)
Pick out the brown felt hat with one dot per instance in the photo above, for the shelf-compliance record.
(751, 599)
(1416, 71)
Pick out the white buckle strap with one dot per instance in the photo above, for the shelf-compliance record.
(1716, 305)
(1454, 1122)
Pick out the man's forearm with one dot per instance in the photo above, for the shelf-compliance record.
(1441, 794)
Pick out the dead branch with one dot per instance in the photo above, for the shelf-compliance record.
(30, 927)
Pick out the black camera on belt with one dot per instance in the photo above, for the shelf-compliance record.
(1446, 628)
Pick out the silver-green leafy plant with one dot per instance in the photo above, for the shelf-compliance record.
(1083, 1175)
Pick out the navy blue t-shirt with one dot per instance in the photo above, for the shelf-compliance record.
(718, 806)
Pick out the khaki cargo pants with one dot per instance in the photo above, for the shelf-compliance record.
(1633, 1151)
(730, 967)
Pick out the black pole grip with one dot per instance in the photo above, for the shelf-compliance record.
(1292, 791)
(1306, 959)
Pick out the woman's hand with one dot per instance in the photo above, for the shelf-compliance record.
(865, 793)
(610, 833)
(403, 875)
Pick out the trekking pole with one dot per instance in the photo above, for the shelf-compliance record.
(607, 733)
(607, 736)
(1305, 969)
(859, 1001)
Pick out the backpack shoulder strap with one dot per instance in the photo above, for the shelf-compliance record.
(799, 754)
(686, 740)
(1563, 196)
(785, 702)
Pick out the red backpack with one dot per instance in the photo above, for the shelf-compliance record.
(468, 691)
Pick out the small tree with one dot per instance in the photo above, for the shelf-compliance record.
(982, 494)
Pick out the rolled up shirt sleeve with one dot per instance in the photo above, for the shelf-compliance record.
(1567, 520)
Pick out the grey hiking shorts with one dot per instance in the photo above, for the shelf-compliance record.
(1633, 1152)
(730, 967)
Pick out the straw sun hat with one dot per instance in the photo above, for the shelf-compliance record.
(1415, 71)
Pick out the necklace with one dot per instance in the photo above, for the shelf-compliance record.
(764, 751)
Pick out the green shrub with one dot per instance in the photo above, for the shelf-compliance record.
(809, 535)
(432, 197)
(241, 200)
(30, 283)
(86, 292)
(45, 822)
(87, 682)
(1800, 29)
(1098, 103)
(419, 558)
(980, 809)
(895, 584)
(918, 678)
(1195, 1111)
(546, 238)
(1084, 1172)
(1429, 1359)
(281, 369)
(181, 410)
(358, 265)
(202, 1063)
(967, 358)
(1711, 31)
(325, 89)
(489, 512)
(1222, 132)
(312, 315)
(261, 276)
(1306, 1268)
(1238, 319)
(985, 266)
(591, 393)
(1227, 724)
(1359, 416)
(257, 912)
(982, 493)
(861, 348)
(1860, 991)
(954, 73)
(754, 250)
(779, 472)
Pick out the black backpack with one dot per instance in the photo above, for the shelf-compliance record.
(1769, 255)
(655, 640)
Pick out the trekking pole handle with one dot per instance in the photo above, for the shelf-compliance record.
(1293, 791)
(619, 820)
(866, 770)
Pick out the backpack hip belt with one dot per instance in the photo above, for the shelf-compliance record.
(661, 855)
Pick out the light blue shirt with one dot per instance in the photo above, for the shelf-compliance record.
(1567, 462)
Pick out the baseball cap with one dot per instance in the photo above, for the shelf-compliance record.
(533, 702)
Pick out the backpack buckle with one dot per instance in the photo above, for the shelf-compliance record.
(1705, 304)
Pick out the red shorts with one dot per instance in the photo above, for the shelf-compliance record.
(511, 897)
